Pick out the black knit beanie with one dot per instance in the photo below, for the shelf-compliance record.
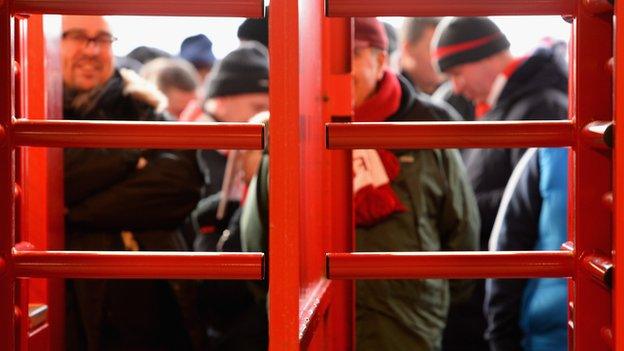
(255, 29)
(244, 70)
(466, 39)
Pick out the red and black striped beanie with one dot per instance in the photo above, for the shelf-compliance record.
(466, 39)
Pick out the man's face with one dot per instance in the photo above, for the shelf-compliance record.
(473, 80)
(237, 108)
(367, 70)
(86, 52)
(417, 62)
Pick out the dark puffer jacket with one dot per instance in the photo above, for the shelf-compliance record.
(537, 90)
(107, 193)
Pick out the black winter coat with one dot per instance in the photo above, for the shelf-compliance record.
(106, 194)
(538, 91)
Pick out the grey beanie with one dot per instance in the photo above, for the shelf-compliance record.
(244, 70)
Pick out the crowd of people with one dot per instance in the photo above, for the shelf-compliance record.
(434, 69)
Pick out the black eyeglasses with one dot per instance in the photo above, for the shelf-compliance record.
(79, 37)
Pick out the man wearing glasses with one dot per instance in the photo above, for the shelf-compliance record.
(123, 199)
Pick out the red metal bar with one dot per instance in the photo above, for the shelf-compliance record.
(590, 176)
(137, 265)
(58, 133)
(225, 8)
(599, 134)
(598, 6)
(618, 179)
(456, 265)
(7, 181)
(313, 310)
(600, 267)
(416, 135)
(369, 8)
(287, 177)
(340, 317)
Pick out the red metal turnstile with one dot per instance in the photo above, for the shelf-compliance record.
(310, 185)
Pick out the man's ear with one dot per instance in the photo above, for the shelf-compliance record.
(382, 62)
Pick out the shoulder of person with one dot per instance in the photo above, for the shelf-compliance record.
(142, 91)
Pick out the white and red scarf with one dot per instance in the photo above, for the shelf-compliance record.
(374, 169)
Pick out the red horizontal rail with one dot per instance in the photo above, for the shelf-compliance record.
(412, 265)
(600, 268)
(168, 135)
(424, 135)
(599, 134)
(227, 8)
(137, 265)
(418, 8)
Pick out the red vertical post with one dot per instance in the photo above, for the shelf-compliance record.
(7, 215)
(337, 107)
(618, 305)
(285, 176)
(306, 189)
(45, 37)
(590, 223)
(21, 111)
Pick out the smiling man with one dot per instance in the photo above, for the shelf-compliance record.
(86, 52)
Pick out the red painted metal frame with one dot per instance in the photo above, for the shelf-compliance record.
(416, 135)
(21, 77)
(59, 133)
(599, 134)
(590, 224)
(228, 8)
(310, 186)
(369, 8)
(618, 216)
(7, 181)
(600, 267)
(313, 309)
(41, 179)
(456, 265)
(137, 265)
(285, 183)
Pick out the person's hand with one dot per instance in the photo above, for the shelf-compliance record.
(141, 163)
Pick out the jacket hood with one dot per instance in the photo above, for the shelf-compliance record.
(546, 68)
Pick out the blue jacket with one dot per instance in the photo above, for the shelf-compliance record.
(531, 315)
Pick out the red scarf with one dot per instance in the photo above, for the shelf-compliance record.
(373, 170)
(383, 104)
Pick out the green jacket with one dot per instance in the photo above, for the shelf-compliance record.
(441, 216)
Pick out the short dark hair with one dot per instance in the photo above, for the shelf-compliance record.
(414, 27)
